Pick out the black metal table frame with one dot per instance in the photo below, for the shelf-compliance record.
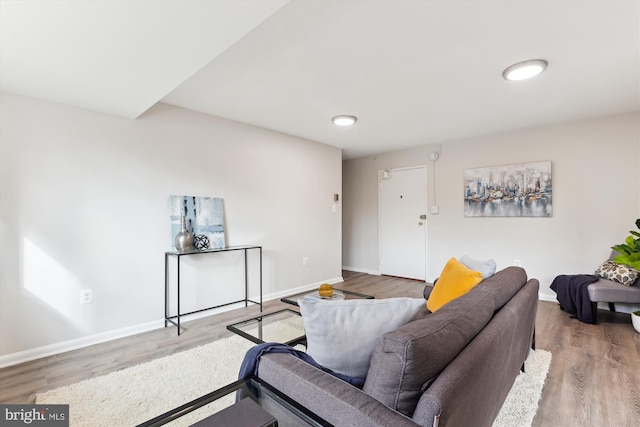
(283, 400)
(168, 318)
(258, 340)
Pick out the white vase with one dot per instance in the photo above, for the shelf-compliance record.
(635, 320)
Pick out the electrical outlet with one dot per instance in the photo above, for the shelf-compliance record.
(517, 263)
(86, 296)
(305, 261)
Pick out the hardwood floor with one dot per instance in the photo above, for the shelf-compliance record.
(594, 378)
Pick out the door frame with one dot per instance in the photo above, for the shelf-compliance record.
(381, 176)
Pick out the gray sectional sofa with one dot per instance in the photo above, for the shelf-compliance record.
(453, 367)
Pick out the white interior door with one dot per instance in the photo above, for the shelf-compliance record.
(403, 237)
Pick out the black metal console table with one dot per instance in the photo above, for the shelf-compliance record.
(178, 255)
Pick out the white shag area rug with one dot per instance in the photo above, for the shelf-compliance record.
(131, 396)
(134, 395)
(521, 404)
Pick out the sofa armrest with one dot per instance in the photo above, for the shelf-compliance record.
(332, 399)
(428, 288)
(482, 374)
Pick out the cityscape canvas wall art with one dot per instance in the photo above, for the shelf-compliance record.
(520, 190)
(203, 215)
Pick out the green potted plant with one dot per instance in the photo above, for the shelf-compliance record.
(629, 251)
(635, 320)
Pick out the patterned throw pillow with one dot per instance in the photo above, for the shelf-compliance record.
(618, 273)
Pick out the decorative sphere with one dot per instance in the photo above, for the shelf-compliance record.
(325, 290)
(201, 242)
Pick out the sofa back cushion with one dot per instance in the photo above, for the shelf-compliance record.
(504, 284)
(409, 358)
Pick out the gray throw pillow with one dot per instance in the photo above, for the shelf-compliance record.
(341, 335)
(487, 268)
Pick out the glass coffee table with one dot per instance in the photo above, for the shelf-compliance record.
(312, 294)
(284, 326)
(247, 402)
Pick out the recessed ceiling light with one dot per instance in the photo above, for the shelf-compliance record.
(344, 120)
(525, 69)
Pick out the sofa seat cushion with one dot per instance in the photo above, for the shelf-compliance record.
(609, 291)
(409, 358)
(334, 400)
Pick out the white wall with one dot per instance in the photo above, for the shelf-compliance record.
(596, 184)
(84, 204)
(360, 205)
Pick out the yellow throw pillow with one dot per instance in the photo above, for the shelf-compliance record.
(456, 280)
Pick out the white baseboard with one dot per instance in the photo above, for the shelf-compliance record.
(361, 270)
(74, 344)
(547, 297)
(620, 307)
(304, 288)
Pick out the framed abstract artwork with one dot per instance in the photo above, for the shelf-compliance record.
(518, 190)
(203, 216)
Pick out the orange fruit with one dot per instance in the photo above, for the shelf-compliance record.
(325, 290)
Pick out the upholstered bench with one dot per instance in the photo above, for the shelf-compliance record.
(611, 292)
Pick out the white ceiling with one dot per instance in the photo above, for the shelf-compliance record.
(414, 72)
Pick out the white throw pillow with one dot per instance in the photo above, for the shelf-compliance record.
(341, 335)
(487, 268)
